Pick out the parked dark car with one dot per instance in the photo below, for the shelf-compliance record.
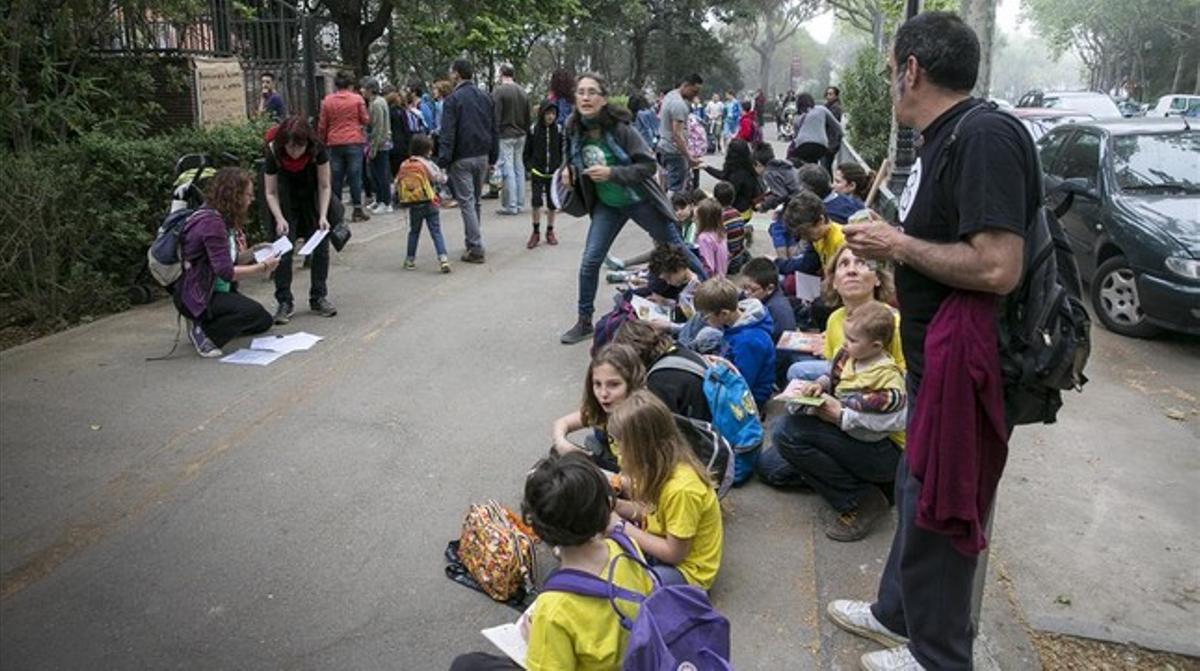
(1134, 221)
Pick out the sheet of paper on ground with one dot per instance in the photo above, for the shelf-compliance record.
(252, 357)
(293, 342)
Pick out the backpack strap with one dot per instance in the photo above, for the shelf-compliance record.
(674, 361)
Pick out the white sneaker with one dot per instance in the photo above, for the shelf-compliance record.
(856, 618)
(892, 659)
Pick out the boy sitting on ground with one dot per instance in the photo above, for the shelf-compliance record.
(778, 176)
(670, 279)
(806, 220)
(760, 280)
(746, 333)
(684, 209)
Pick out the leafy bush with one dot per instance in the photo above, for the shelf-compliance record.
(79, 216)
(868, 103)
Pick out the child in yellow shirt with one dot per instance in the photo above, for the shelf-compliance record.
(670, 494)
(568, 502)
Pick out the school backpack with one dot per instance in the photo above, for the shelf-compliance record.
(676, 627)
(164, 257)
(606, 328)
(1044, 328)
(412, 183)
(712, 449)
(734, 412)
(697, 137)
(498, 550)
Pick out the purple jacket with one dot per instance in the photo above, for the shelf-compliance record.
(206, 257)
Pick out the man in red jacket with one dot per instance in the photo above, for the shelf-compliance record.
(963, 216)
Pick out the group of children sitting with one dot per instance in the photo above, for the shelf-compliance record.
(635, 473)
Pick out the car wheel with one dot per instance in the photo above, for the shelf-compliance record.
(1116, 302)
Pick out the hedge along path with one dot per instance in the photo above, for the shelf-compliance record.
(128, 496)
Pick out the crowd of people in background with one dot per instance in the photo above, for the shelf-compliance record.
(635, 474)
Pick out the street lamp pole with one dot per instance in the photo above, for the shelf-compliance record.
(906, 138)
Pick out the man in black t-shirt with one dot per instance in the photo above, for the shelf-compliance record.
(963, 215)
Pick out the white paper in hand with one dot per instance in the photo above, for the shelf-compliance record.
(312, 242)
(808, 287)
(508, 638)
(278, 248)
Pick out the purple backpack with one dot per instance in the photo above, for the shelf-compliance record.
(606, 328)
(676, 626)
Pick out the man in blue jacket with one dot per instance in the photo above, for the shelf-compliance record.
(467, 145)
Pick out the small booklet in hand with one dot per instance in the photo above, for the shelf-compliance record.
(800, 341)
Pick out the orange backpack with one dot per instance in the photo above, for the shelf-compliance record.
(498, 550)
(412, 183)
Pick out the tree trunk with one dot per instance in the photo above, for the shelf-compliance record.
(877, 20)
(1175, 81)
(981, 16)
(765, 57)
(637, 75)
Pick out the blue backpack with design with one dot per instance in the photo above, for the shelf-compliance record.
(676, 626)
(734, 412)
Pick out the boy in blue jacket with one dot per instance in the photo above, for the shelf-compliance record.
(747, 333)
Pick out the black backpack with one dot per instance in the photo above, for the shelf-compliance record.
(1043, 325)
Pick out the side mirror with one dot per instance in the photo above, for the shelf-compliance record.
(1080, 187)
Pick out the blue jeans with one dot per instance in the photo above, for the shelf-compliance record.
(381, 176)
(428, 214)
(345, 163)
(678, 171)
(607, 222)
(809, 369)
(512, 169)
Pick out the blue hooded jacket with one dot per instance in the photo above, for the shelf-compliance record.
(752, 349)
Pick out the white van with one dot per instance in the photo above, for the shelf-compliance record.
(1174, 104)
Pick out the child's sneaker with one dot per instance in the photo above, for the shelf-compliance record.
(410, 264)
(534, 239)
(551, 239)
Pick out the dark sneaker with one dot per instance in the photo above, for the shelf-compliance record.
(551, 238)
(284, 312)
(582, 330)
(534, 239)
(204, 346)
(359, 215)
(323, 306)
(854, 525)
(470, 256)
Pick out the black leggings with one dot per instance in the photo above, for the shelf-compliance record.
(482, 661)
(230, 315)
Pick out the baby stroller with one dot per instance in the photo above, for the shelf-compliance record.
(187, 191)
(786, 130)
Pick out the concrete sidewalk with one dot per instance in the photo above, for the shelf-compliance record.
(194, 514)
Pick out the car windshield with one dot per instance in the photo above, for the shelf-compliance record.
(1098, 106)
(1158, 161)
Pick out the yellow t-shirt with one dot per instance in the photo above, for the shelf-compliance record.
(835, 337)
(688, 509)
(829, 243)
(570, 631)
(884, 374)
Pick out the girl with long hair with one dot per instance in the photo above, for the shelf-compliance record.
(739, 171)
(670, 494)
(615, 372)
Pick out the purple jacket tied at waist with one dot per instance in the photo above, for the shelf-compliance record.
(957, 440)
(206, 257)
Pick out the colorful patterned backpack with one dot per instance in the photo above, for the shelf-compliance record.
(498, 550)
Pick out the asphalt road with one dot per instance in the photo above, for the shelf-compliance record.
(192, 514)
